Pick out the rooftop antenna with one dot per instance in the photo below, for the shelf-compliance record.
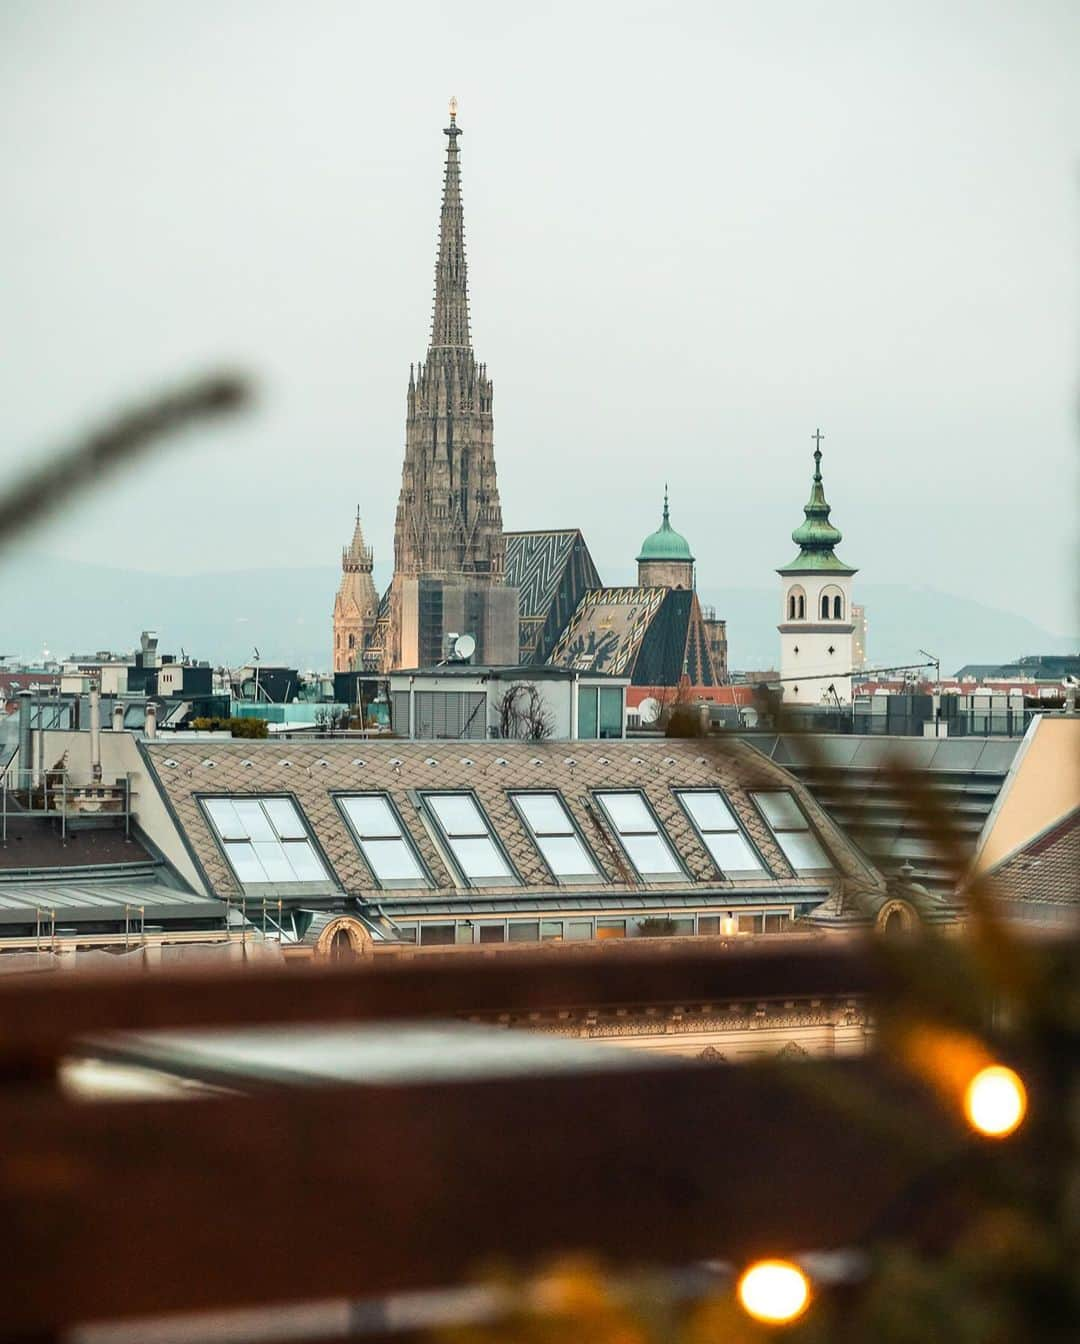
(937, 693)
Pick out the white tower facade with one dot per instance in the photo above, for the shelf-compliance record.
(817, 646)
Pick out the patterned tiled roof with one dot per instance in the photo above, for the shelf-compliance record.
(1044, 872)
(313, 771)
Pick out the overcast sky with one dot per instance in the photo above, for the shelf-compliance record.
(695, 232)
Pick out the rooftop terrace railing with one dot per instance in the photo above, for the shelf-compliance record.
(128, 1208)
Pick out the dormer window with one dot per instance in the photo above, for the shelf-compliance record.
(265, 841)
(792, 832)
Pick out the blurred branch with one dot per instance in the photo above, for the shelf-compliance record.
(44, 489)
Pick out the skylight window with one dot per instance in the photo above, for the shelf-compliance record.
(720, 830)
(792, 831)
(640, 834)
(265, 841)
(383, 840)
(556, 838)
(468, 836)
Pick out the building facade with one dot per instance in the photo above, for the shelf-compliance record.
(816, 629)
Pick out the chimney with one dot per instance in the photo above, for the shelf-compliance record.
(25, 747)
(117, 717)
(151, 719)
(95, 732)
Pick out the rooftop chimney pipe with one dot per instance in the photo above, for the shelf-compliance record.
(151, 719)
(95, 732)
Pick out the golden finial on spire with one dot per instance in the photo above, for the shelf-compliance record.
(453, 109)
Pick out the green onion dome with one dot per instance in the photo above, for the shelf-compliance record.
(665, 543)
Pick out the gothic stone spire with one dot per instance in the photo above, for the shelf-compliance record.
(449, 521)
(450, 322)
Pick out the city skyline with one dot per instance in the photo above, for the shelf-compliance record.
(658, 301)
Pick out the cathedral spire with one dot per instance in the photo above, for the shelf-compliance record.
(450, 321)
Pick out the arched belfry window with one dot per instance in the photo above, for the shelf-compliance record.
(796, 604)
(838, 608)
(802, 606)
(824, 606)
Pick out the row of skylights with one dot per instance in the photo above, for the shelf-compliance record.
(266, 840)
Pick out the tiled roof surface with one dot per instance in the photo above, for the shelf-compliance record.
(312, 772)
(1045, 872)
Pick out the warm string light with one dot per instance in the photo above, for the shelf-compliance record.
(774, 1291)
(995, 1102)
(991, 1097)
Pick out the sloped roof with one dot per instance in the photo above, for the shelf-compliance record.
(850, 776)
(655, 636)
(606, 632)
(312, 772)
(1046, 871)
(534, 566)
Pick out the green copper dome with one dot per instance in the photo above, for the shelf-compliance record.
(665, 543)
(816, 536)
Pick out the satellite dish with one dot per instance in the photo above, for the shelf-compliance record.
(464, 648)
(649, 710)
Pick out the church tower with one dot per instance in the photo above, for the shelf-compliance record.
(665, 560)
(816, 629)
(449, 550)
(356, 606)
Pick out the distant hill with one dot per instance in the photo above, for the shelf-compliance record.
(286, 614)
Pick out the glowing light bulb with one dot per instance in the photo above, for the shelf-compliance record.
(775, 1291)
(995, 1102)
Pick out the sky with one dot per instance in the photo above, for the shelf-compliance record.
(696, 232)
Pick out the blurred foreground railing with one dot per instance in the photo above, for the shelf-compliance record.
(124, 1208)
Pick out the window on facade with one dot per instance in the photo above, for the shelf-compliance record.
(611, 928)
(799, 844)
(802, 606)
(645, 843)
(524, 931)
(495, 932)
(723, 837)
(465, 829)
(578, 930)
(449, 714)
(837, 608)
(436, 935)
(600, 711)
(383, 842)
(546, 816)
(662, 926)
(825, 607)
(265, 840)
(551, 930)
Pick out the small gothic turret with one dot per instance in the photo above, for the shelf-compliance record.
(356, 606)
